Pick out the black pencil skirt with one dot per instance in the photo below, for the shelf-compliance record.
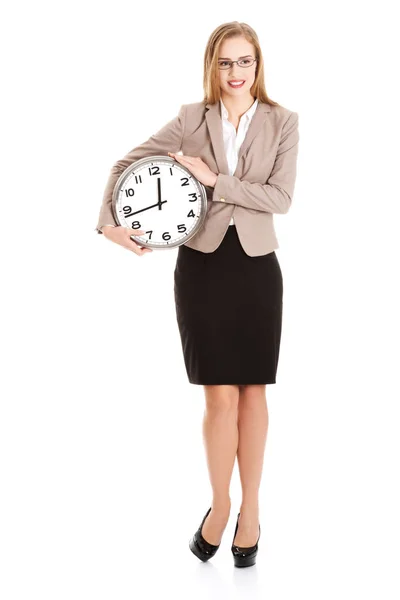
(229, 313)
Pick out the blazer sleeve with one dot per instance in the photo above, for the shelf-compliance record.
(167, 139)
(275, 196)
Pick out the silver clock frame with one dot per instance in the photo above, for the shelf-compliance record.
(149, 160)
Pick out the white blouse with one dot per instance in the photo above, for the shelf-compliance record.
(233, 140)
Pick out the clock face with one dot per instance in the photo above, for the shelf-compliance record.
(163, 198)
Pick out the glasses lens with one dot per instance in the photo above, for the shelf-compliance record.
(224, 64)
(246, 62)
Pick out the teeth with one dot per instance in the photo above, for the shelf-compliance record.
(236, 82)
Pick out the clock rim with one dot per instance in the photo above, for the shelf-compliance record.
(203, 199)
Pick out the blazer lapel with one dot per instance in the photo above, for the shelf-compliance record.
(214, 124)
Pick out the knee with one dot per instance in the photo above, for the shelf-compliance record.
(249, 392)
(222, 398)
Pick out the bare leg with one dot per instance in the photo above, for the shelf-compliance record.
(253, 427)
(220, 433)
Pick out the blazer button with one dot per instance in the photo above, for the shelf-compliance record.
(222, 199)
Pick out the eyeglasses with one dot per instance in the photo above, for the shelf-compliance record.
(243, 62)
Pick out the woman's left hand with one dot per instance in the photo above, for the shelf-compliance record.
(197, 167)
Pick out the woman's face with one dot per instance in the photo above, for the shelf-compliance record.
(234, 49)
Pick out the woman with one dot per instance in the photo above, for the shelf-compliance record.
(228, 282)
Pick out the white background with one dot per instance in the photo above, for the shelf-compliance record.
(103, 474)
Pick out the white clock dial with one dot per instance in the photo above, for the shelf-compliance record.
(163, 198)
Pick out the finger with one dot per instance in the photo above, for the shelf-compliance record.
(138, 233)
(184, 161)
(186, 156)
(175, 156)
(144, 249)
(179, 157)
(135, 231)
(138, 249)
(133, 245)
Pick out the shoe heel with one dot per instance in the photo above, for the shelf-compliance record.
(244, 561)
(199, 546)
(244, 557)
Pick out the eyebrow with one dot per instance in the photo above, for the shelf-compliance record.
(220, 58)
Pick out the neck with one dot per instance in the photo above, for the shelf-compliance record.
(237, 105)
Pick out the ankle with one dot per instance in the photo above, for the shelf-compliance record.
(249, 509)
(221, 506)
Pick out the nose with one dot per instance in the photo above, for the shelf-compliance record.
(232, 72)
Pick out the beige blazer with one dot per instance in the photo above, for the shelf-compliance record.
(263, 182)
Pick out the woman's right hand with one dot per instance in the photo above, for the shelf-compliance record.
(121, 235)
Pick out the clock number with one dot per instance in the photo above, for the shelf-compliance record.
(156, 170)
(129, 192)
(136, 225)
(186, 180)
(166, 234)
(171, 171)
(181, 230)
(191, 213)
(138, 179)
(194, 195)
(127, 210)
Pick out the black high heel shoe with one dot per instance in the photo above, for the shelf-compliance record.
(244, 556)
(199, 546)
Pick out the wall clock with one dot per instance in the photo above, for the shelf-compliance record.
(162, 197)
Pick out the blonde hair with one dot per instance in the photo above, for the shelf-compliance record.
(212, 90)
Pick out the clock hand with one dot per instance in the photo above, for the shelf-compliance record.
(159, 203)
(142, 209)
(159, 193)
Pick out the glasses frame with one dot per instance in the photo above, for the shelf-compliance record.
(231, 62)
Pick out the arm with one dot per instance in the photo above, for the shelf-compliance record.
(168, 138)
(274, 196)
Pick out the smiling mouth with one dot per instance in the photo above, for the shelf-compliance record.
(236, 83)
